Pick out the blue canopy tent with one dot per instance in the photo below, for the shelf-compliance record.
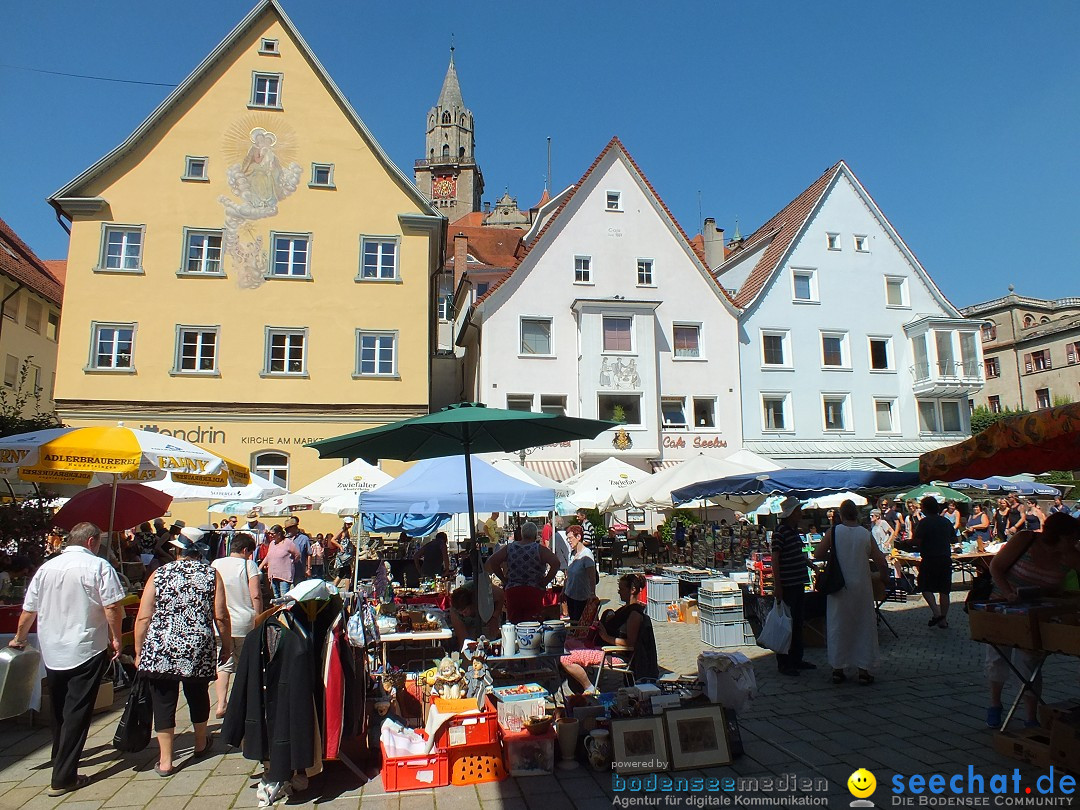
(437, 486)
(995, 484)
(798, 483)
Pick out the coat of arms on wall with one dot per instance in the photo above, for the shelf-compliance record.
(621, 440)
(261, 172)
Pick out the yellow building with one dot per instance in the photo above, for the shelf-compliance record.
(30, 298)
(249, 270)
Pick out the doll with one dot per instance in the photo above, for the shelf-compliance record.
(447, 680)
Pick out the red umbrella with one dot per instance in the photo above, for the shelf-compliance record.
(1026, 443)
(134, 504)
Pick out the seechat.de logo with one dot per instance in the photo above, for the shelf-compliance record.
(862, 785)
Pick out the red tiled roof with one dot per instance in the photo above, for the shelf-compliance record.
(544, 199)
(473, 219)
(58, 267)
(780, 231)
(698, 244)
(22, 264)
(613, 143)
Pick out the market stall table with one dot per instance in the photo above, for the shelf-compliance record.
(433, 636)
(971, 563)
(515, 669)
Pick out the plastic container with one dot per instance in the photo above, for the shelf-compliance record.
(720, 599)
(657, 611)
(415, 772)
(726, 634)
(529, 754)
(465, 729)
(663, 589)
(720, 615)
(477, 764)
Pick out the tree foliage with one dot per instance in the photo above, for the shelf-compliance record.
(982, 417)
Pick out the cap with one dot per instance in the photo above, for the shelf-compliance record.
(253, 515)
(291, 521)
(789, 505)
(348, 519)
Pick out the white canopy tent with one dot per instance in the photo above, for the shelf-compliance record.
(513, 468)
(350, 479)
(602, 487)
(654, 492)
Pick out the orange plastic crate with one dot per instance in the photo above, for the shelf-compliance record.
(478, 728)
(475, 765)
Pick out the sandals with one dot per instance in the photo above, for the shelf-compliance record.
(934, 620)
(163, 773)
(838, 676)
(865, 678)
(80, 782)
(199, 753)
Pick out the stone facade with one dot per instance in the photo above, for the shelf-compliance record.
(1031, 348)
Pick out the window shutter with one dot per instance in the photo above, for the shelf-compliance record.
(1046, 359)
(1027, 363)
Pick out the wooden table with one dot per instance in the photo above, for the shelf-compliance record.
(968, 563)
(434, 636)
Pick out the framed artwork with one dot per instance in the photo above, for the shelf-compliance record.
(697, 737)
(638, 745)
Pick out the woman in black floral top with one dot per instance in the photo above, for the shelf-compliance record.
(174, 640)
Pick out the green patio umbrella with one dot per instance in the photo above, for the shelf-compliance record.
(464, 428)
(943, 494)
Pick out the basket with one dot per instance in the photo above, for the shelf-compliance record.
(476, 765)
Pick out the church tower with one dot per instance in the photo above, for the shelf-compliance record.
(447, 174)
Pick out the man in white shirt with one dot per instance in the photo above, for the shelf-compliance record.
(255, 527)
(75, 598)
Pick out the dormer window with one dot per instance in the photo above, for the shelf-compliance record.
(269, 47)
(613, 201)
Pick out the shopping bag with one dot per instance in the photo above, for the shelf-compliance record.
(133, 731)
(776, 634)
(831, 579)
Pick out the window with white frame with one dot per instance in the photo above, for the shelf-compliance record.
(1042, 398)
(292, 255)
(195, 168)
(1037, 361)
(834, 407)
(286, 352)
(535, 337)
(112, 346)
(322, 175)
(687, 338)
(804, 286)
(583, 270)
(928, 417)
(896, 294)
(994, 403)
(376, 354)
(774, 412)
(992, 367)
(11, 371)
(519, 402)
(121, 249)
(881, 354)
(613, 201)
(266, 90)
(52, 326)
(989, 331)
(951, 420)
(946, 354)
(1072, 353)
(862, 243)
(834, 350)
(775, 350)
(622, 408)
(273, 467)
(202, 253)
(940, 417)
(268, 47)
(378, 258)
(969, 357)
(553, 404)
(618, 333)
(832, 241)
(673, 410)
(644, 272)
(35, 378)
(34, 311)
(196, 350)
(704, 412)
(885, 415)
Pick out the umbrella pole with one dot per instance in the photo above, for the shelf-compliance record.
(112, 517)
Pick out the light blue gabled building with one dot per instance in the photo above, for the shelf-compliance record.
(849, 353)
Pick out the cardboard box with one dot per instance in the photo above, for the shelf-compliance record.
(1011, 629)
(1048, 712)
(1061, 634)
(1065, 741)
(688, 610)
(1030, 745)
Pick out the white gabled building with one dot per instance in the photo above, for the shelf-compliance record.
(609, 313)
(850, 354)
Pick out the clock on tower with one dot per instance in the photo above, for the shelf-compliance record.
(443, 187)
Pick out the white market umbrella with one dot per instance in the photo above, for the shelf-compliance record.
(654, 492)
(601, 487)
(530, 476)
(259, 489)
(349, 480)
(752, 461)
(284, 505)
(834, 500)
(231, 507)
(341, 505)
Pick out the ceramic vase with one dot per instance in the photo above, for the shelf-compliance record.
(508, 634)
(567, 731)
(598, 744)
(554, 637)
(530, 638)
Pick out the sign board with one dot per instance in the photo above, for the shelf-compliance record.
(635, 516)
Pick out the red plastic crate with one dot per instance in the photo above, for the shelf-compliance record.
(467, 730)
(415, 772)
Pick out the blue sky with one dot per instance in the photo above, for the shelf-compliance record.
(960, 118)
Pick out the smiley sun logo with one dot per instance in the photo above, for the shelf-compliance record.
(861, 784)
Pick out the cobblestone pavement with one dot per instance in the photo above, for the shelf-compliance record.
(924, 715)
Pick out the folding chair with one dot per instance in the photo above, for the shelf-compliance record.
(882, 594)
(625, 654)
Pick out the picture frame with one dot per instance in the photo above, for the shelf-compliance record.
(697, 737)
(639, 745)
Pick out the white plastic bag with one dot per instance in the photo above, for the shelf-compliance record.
(776, 634)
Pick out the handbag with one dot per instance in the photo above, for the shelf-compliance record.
(832, 578)
(133, 731)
